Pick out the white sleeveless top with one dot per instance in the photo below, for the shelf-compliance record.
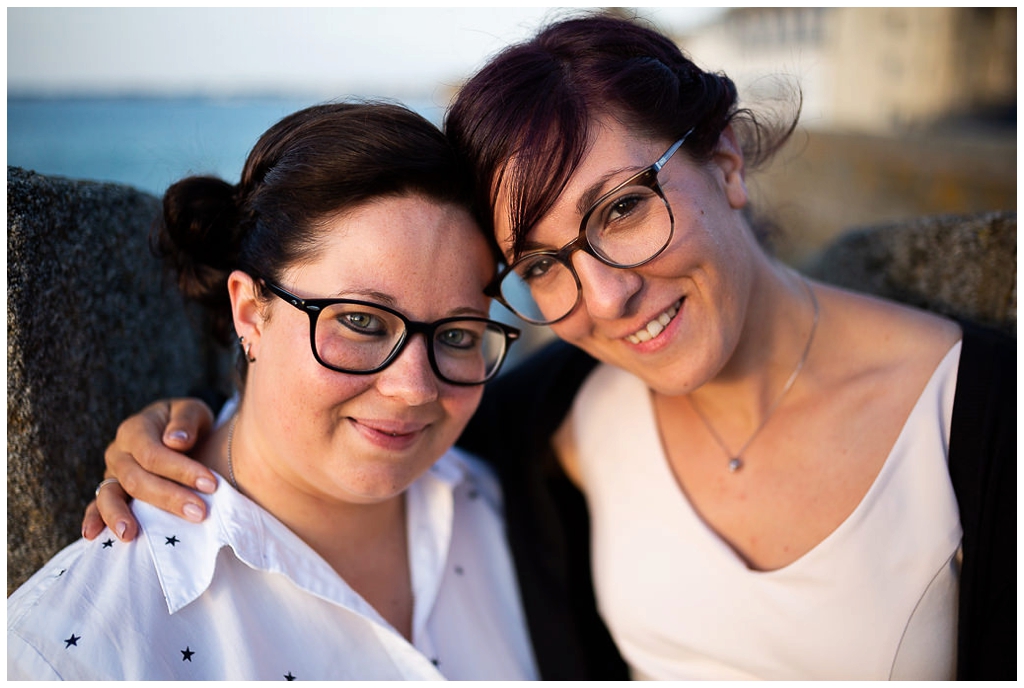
(876, 599)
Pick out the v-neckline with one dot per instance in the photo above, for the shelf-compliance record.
(715, 542)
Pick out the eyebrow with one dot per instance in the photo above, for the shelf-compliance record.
(366, 295)
(593, 192)
(389, 301)
(474, 312)
(529, 246)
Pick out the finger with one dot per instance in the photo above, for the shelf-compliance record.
(111, 505)
(92, 522)
(187, 421)
(139, 442)
(150, 486)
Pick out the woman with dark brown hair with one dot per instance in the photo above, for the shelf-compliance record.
(784, 480)
(346, 538)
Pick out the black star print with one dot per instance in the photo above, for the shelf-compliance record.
(108, 543)
(172, 541)
(73, 640)
(289, 677)
(458, 570)
(435, 661)
(186, 654)
(61, 573)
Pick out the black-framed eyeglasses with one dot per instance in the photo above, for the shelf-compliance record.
(625, 228)
(362, 338)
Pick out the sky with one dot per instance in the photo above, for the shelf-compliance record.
(232, 51)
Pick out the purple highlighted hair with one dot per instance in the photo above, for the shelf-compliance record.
(535, 101)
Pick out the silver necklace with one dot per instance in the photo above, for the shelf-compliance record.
(736, 460)
(231, 466)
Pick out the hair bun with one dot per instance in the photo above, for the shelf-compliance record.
(199, 236)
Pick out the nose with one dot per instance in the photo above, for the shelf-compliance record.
(605, 291)
(410, 377)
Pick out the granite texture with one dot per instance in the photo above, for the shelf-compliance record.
(94, 333)
(957, 265)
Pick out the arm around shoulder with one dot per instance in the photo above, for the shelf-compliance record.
(147, 458)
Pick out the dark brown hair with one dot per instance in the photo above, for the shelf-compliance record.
(535, 101)
(307, 168)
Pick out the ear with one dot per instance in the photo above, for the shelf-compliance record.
(728, 159)
(246, 308)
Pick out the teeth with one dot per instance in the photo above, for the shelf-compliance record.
(655, 327)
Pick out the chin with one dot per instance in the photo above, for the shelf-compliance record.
(667, 380)
(370, 494)
(380, 483)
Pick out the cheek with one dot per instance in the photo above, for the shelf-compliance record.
(575, 329)
(287, 376)
(461, 405)
(704, 239)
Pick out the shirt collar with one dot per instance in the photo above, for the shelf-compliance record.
(185, 554)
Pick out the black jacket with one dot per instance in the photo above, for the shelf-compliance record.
(548, 525)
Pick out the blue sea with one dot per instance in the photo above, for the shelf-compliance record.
(148, 143)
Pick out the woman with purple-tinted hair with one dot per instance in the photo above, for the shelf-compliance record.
(726, 468)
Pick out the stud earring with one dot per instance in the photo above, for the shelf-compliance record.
(247, 348)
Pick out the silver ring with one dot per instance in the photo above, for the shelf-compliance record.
(105, 482)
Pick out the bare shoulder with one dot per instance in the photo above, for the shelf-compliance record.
(870, 335)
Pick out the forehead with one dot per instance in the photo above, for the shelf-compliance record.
(408, 248)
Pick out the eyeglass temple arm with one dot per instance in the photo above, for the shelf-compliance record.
(660, 162)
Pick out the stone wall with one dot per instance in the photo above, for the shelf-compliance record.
(93, 335)
(958, 265)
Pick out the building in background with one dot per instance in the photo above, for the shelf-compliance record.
(872, 69)
(906, 112)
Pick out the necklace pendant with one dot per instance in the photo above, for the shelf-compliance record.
(735, 464)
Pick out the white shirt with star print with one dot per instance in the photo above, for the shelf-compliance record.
(239, 596)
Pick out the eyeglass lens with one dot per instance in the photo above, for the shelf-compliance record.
(360, 338)
(628, 228)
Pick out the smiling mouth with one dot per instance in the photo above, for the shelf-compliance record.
(388, 436)
(655, 326)
(389, 429)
